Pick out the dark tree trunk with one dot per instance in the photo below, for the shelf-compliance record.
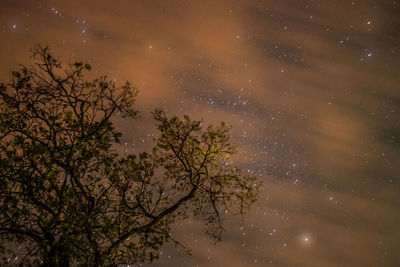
(56, 258)
(49, 258)
(63, 260)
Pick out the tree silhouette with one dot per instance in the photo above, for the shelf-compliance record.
(68, 199)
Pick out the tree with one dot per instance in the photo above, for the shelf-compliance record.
(68, 199)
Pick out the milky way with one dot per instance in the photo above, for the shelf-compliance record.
(311, 89)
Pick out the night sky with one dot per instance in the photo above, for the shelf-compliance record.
(311, 89)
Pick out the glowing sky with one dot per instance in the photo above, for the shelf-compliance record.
(311, 88)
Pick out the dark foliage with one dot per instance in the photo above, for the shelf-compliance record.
(68, 199)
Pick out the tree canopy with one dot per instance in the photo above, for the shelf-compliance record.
(67, 198)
